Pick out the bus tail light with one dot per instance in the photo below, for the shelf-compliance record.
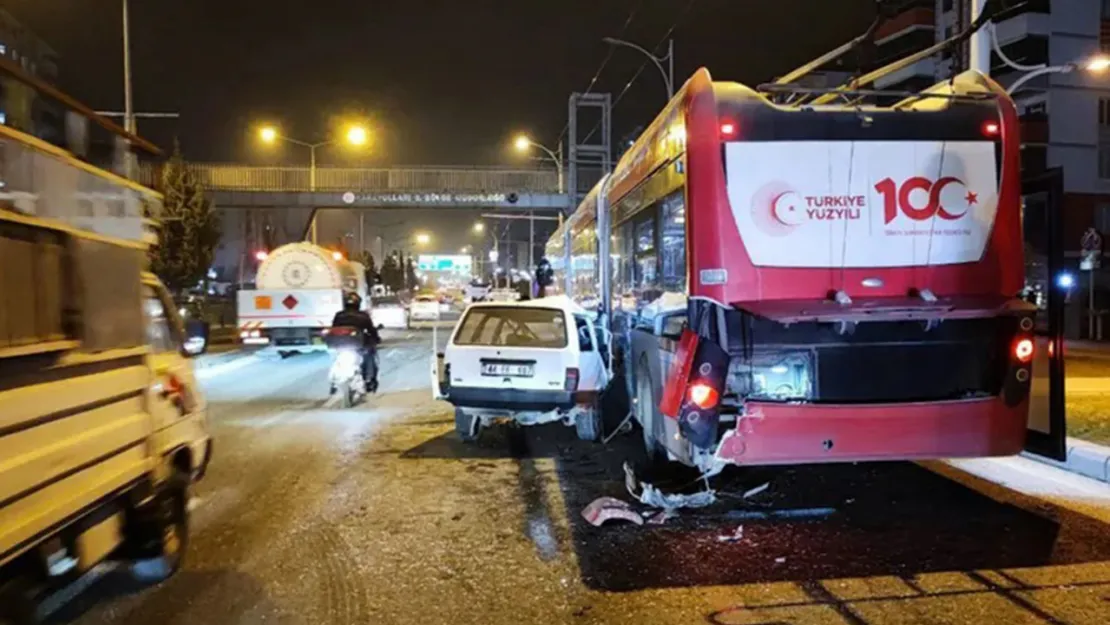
(728, 129)
(1023, 350)
(704, 396)
(991, 129)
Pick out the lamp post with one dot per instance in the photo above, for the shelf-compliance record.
(523, 142)
(668, 72)
(128, 106)
(356, 136)
(1094, 65)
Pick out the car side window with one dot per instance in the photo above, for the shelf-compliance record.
(158, 332)
(585, 336)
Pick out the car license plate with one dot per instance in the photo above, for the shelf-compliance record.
(518, 370)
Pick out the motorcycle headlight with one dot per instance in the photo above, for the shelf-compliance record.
(772, 376)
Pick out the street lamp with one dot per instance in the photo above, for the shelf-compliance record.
(1095, 65)
(479, 227)
(668, 73)
(356, 135)
(423, 238)
(522, 143)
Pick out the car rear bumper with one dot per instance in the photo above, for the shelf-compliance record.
(517, 399)
(789, 434)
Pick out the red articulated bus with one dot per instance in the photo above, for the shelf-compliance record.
(814, 281)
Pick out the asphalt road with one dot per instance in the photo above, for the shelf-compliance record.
(316, 515)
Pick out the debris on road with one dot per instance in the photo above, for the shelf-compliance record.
(652, 496)
(661, 517)
(605, 509)
(752, 492)
(733, 537)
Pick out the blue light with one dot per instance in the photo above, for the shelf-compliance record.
(1065, 280)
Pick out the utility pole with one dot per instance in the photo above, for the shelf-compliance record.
(979, 48)
(128, 105)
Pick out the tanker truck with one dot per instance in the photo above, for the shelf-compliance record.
(299, 288)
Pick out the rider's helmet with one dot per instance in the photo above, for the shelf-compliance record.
(351, 301)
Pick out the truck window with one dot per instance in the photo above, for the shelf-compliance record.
(585, 336)
(513, 326)
(159, 334)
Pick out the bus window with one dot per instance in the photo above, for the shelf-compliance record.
(646, 267)
(673, 244)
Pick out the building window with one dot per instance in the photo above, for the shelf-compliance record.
(1034, 158)
(1104, 114)
(3, 50)
(3, 118)
(1102, 218)
(1104, 160)
(946, 6)
(1032, 50)
(1035, 110)
(1106, 9)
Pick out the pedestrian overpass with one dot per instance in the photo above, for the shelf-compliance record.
(263, 206)
(238, 186)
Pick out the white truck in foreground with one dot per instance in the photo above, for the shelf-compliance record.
(299, 288)
(102, 425)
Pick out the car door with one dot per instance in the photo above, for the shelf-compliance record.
(173, 397)
(591, 365)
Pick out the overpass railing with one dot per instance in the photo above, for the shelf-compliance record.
(223, 177)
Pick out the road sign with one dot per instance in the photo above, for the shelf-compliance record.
(1091, 241)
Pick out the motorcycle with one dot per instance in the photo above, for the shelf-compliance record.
(345, 375)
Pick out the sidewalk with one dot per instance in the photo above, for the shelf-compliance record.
(1087, 459)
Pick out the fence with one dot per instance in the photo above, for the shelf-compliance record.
(223, 177)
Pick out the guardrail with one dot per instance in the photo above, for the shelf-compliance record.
(227, 177)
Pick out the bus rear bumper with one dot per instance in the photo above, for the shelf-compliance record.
(794, 434)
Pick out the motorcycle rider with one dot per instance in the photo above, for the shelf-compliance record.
(352, 316)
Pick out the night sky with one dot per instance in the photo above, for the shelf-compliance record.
(442, 82)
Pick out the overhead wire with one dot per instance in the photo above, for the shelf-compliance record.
(605, 61)
(628, 85)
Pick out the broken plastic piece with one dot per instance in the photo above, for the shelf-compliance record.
(661, 517)
(605, 509)
(752, 492)
(652, 496)
(733, 537)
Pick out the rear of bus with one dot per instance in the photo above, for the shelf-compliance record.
(870, 261)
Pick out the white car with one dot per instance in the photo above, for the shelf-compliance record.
(530, 362)
(424, 308)
(389, 312)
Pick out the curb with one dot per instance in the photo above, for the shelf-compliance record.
(1086, 459)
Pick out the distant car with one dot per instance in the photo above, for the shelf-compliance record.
(389, 312)
(424, 308)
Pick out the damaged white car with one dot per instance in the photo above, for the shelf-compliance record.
(530, 362)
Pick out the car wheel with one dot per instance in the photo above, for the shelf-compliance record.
(467, 426)
(587, 424)
(161, 536)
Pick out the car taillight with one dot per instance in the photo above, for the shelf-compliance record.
(703, 395)
(571, 383)
(1023, 350)
(991, 129)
